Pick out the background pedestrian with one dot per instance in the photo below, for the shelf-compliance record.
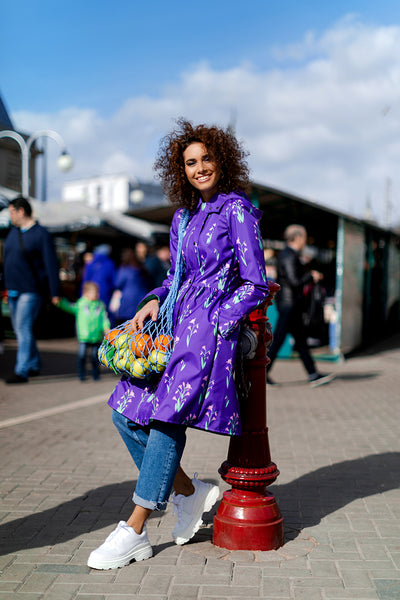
(292, 277)
(101, 269)
(30, 275)
(131, 285)
(157, 264)
(91, 324)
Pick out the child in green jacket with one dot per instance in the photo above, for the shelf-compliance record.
(91, 324)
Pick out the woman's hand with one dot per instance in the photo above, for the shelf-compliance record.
(149, 310)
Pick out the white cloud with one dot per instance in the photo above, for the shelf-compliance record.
(119, 162)
(323, 123)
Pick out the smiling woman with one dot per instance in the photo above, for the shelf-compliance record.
(187, 149)
(215, 237)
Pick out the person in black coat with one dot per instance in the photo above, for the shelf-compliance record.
(292, 278)
(30, 274)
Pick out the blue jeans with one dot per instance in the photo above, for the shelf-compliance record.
(82, 351)
(157, 451)
(24, 310)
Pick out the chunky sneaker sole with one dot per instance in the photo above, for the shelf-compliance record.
(322, 380)
(140, 552)
(121, 546)
(207, 503)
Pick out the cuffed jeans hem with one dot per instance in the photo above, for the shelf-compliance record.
(148, 503)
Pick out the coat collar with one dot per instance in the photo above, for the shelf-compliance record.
(214, 205)
(218, 200)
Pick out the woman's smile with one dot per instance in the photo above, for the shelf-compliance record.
(202, 173)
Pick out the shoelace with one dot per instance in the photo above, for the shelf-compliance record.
(112, 535)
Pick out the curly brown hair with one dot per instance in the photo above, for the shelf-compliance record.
(222, 147)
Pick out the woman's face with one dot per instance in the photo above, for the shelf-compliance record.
(202, 173)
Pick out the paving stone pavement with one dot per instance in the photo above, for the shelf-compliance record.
(67, 479)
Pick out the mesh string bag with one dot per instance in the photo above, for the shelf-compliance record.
(145, 352)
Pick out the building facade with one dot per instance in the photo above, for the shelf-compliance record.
(113, 192)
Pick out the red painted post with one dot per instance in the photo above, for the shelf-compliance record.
(248, 517)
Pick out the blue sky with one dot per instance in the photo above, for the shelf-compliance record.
(102, 72)
(96, 54)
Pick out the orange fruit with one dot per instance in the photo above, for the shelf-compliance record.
(141, 344)
(111, 335)
(163, 342)
(128, 327)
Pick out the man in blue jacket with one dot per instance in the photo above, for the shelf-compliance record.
(30, 273)
(102, 271)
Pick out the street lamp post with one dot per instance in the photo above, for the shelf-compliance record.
(64, 162)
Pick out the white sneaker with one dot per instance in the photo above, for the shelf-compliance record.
(122, 545)
(189, 509)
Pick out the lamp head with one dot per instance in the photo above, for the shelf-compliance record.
(137, 196)
(65, 162)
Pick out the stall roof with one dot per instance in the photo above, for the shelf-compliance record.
(280, 209)
(61, 217)
(135, 226)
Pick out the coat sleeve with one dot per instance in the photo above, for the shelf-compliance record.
(245, 236)
(67, 306)
(161, 292)
(120, 278)
(50, 262)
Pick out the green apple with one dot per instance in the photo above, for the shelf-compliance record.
(158, 360)
(105, 354)
(121, 361)
(140, 368)
(120, 341)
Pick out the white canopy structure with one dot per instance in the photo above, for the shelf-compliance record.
(60, 217)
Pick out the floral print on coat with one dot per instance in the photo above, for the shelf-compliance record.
(224, 281)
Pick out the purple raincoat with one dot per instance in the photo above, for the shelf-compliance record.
(224, 281)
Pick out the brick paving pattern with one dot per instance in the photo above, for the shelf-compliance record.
(67, 479)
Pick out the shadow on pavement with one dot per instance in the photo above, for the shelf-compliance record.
(54, 363)
(388, 343)
(303, 503)
(357, 376)
(94, 510)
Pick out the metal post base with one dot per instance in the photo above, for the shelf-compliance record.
(248, 521)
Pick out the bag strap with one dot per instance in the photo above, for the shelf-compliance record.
(179, 265)
(169, 302)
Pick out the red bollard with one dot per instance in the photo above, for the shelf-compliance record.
(248, 517)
